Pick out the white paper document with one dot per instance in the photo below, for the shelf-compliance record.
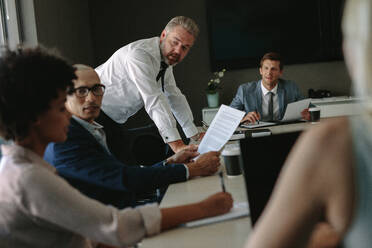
(239, 209)
(221, 129)
(294, 109)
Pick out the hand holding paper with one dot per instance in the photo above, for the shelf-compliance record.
(294, 109)
(221, 129)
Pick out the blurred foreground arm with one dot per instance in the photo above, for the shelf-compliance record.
(324, 236)
(315, 186)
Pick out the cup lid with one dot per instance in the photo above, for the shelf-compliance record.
(314, 109)
(231, 150)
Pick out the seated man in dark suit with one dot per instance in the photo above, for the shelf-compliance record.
(267, 98)
(86, 162)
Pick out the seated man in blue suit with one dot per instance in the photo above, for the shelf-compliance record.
(267, 98)
(86, 162)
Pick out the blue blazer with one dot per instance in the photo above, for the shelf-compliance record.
(249, 96)
(87, 166)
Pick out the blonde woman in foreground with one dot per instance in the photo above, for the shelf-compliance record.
(328, 175)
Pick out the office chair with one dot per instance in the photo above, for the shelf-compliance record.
(147, 148)
(146, 145)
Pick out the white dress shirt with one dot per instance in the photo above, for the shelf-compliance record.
(40, 209)
(130, 79)
(265, 102)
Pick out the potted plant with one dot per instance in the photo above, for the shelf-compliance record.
(213, 87)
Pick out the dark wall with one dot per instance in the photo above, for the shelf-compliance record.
(116, 23)
(90, 31)
(65, 25)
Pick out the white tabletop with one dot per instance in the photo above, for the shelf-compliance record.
(231, 233)
(293, 127)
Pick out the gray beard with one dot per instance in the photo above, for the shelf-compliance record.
(161, 46)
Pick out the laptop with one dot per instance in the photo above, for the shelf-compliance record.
(263, 158)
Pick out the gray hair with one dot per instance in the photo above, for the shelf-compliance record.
(82, 67)
(185, 22)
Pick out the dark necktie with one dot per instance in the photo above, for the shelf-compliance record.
(163, 68)
(271, 106)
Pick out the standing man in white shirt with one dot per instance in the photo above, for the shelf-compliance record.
(133, 79)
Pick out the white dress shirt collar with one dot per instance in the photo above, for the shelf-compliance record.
(96, 130)
(91, 127)
(265, 91)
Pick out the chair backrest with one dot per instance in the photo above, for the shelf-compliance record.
(263, 158)
(146, 146)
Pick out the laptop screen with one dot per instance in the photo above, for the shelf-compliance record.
(263, 158)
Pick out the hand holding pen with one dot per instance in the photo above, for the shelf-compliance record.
(218, 203)
(258, 117)
(252, 117)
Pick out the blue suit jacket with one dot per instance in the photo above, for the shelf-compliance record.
(87, 166)
(249, 96)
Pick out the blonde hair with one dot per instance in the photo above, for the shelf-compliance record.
(357, 30)
(185, 22)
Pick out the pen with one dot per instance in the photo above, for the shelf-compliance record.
(258, 121)
(205, 124)
(222, 182)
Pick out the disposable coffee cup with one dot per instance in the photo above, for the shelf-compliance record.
(233, 161)
(314, 114)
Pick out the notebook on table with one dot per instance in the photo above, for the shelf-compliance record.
(239, 210)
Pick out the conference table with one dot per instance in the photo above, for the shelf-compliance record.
(230, 233)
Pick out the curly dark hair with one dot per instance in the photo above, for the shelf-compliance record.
(29, 80)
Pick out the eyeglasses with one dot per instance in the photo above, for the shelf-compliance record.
(97, 90)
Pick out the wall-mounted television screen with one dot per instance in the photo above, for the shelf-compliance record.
(241, 31)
